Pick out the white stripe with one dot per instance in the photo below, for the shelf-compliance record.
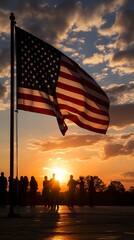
(35, 104)
(33, 92)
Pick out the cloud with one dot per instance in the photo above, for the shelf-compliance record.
(120, 93)
(122, 28)
(123, 57)
(3, 90)
(97, 58)
(4, 62)
(122, 32)
(4, 93)
(100, 47)
(128, 174)
(124, 25)
(57, 20)
(77, 40)
(108, 147)
(121, 116)
(123, 70)
(112, 150)
(54, 23)
(69, 142)
(67, 49)
(117, 147)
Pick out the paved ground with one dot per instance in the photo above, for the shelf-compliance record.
(81, 223)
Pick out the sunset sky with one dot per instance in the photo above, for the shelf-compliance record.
(99, 36)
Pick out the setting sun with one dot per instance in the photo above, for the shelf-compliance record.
(60, 174)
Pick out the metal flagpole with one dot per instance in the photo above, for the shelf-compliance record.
(11, 180)
(17, 159)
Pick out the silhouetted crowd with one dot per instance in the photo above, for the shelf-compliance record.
(23, 188)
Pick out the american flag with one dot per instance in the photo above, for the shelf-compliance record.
(51, 83)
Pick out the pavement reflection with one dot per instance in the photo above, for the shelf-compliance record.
(80, 223)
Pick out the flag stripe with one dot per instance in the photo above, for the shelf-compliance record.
(83, 115)
(88, 105)
(76, 120)
(69, 105)
(72, 102)
(32, 108)
(94, 95)
(44, 102)
(80, 74)
(29, 105)
(78, 94)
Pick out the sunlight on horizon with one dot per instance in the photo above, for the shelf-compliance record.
(60, 174)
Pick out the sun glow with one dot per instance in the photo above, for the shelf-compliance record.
(60, 174)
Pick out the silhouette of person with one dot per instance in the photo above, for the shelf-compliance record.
(21, 192)
(81, 191)
(3, 190)
(16, 190)
(23, 187)
(71, 190)
(46, 192)
(33, 191)
(55, 189)
(91, 190)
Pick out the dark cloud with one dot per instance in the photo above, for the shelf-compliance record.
(121, 115)
(123, 29)
(47, 22)
(54, 22)
(121, 88)
(116, 92)
(4, 58)
(3, 91)
(114, 149)
(127, 136)
(124, 57)
(128, 174)
(126, 180)
(124, 22)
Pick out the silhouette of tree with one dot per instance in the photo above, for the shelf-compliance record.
(116, 186)
(131, 189)
(99, 185)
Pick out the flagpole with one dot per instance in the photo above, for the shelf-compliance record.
(11, 178)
